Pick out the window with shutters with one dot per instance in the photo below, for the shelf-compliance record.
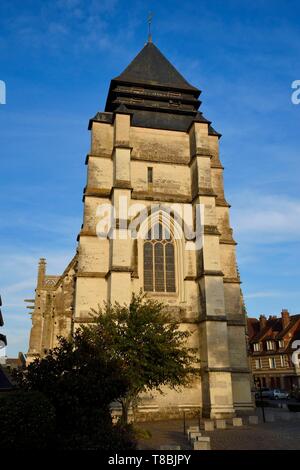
(159, 261)
(272, 363)
(258, 364)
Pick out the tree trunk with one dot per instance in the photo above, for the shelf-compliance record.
(125, 409)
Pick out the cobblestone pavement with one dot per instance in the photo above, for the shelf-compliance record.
(283, 434)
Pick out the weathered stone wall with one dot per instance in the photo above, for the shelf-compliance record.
(157, 145)
(187, 172)
(53, 309)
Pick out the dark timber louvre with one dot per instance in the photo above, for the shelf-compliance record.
(154, 93)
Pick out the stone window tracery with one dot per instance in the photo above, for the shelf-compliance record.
(159, 260)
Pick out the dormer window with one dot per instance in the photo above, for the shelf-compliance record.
(270, 345)
(256, 347)
(281, 343)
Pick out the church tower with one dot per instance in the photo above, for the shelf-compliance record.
(154, 158)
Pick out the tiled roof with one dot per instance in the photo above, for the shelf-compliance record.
(272, 330)
(253, 327)
(293, 321)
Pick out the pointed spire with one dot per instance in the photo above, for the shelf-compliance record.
(150, 66)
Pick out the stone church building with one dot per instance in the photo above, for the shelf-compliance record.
(152, 150)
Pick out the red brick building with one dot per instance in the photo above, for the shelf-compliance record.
(271, 345)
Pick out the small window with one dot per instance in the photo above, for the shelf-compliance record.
(283, 361)
(272, 363)
(256, 347)
(270, 345)
(257, 364)
(281, 343)
(150, 175)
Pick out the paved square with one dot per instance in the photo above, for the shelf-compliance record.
(279, 435)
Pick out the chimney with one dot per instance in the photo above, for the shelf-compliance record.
(285, 318)
(262, 322)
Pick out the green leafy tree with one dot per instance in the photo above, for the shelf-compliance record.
(149, 346)
(80, 381)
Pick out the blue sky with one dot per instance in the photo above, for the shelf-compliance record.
(57, 58)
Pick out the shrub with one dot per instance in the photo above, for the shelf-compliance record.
(27, 420)
(80, 381)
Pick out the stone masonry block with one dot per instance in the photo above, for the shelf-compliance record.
(209, 425)
(192, 428)
(170, 447)
(220, 424)
(237, 422)
(203, 443)
(193, 435)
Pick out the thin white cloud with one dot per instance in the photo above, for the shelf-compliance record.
(264, 294)
(272, 216)
(61, 225)
(18, 287)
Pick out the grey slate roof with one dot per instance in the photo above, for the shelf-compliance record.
(155, 94)
(150, 66)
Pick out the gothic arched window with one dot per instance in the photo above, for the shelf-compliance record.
(159, 261)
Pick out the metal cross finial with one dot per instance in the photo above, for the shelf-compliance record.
(150, 17)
